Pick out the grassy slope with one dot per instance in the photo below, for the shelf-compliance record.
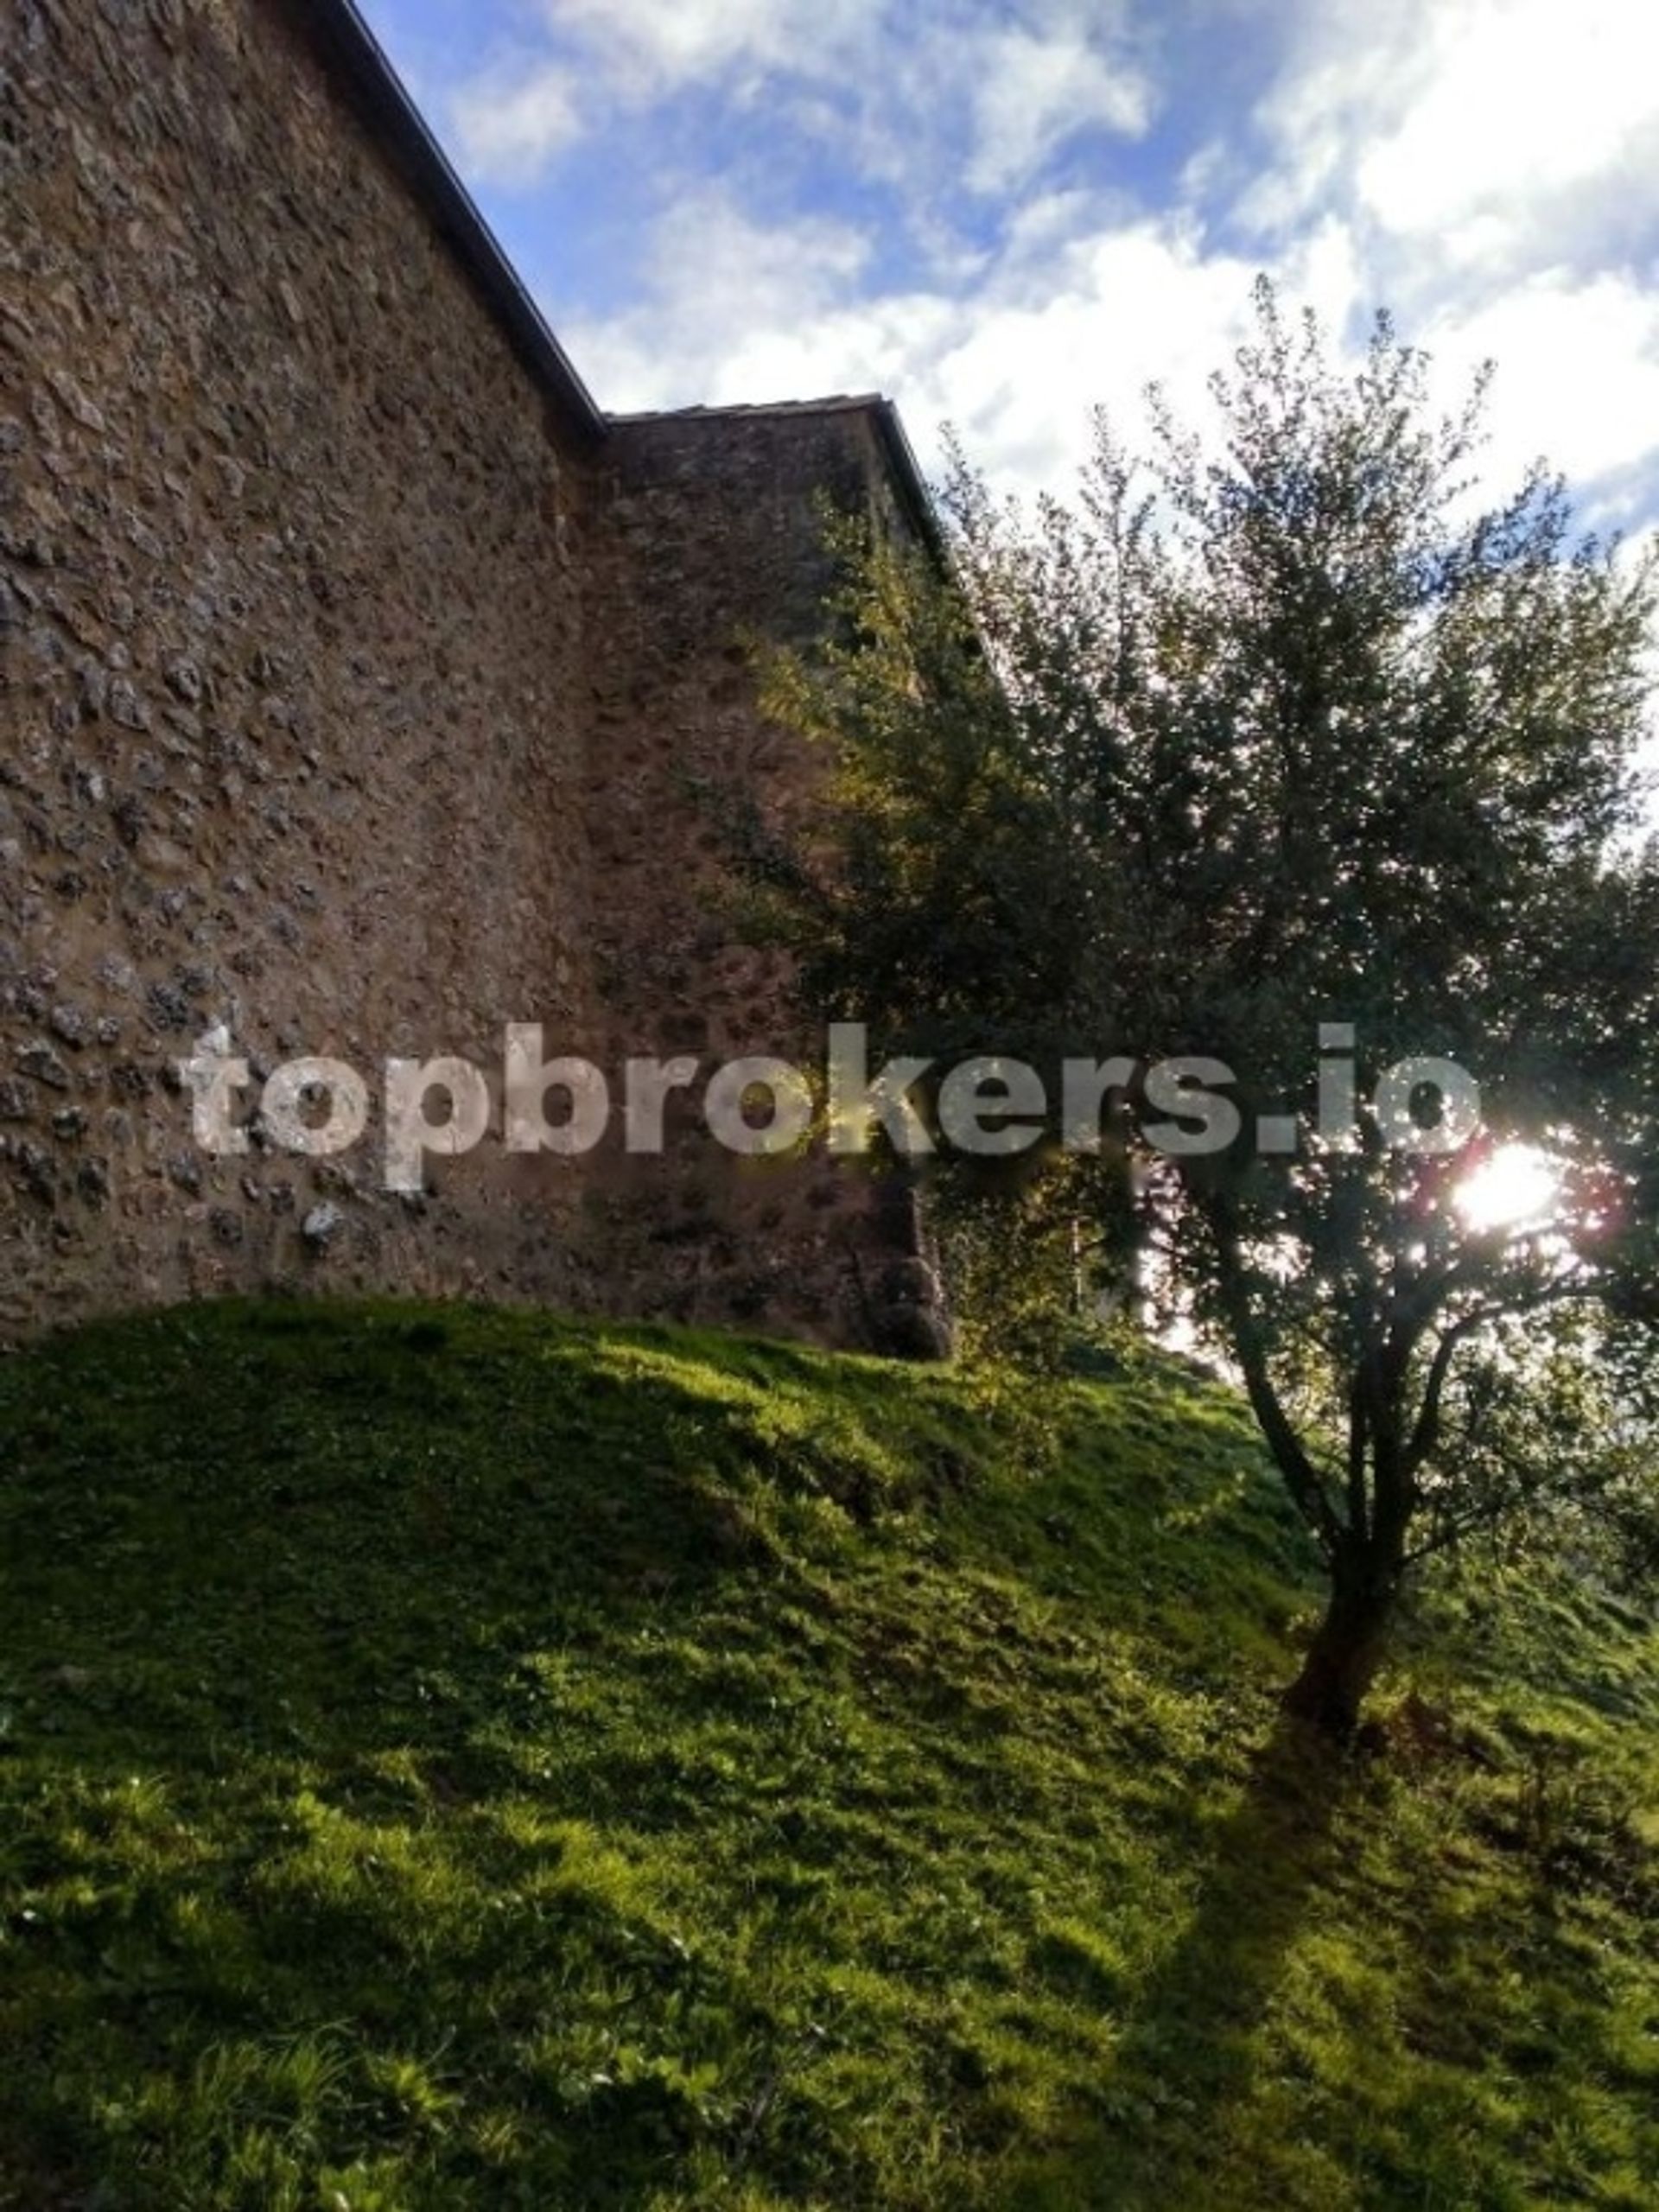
(453, 1760)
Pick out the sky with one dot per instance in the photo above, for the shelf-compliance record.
(1003, 212)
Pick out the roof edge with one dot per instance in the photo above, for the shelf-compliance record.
(340, 26)
(901, 457)
(907, 475)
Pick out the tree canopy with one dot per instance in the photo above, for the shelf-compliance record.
(1279, 766)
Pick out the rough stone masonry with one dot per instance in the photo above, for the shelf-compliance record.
(356, 678)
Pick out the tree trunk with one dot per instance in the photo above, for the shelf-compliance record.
(1343, 1659)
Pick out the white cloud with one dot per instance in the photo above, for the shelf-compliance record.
(1520, 100)
(515, 119)
(1577, 384)
(730, 309)
(1035, 89)
(604, 58)
(913, 92)
(1478, 139)
(1490, 168)
(1079, 309)
(662, 44)
(1496, 165)
(1070, 315)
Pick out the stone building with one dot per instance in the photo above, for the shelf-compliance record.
(357, 676)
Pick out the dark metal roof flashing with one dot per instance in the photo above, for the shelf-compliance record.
(348, 40)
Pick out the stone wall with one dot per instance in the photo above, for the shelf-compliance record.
(293, 659)
(350, 681)
(716, 539)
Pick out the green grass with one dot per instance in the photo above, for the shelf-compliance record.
(451, 1759)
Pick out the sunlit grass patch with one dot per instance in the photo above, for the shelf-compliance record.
(454, 1758)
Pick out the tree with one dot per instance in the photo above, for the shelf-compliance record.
(1274, 752)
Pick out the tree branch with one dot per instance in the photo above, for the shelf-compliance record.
(1302, 1478)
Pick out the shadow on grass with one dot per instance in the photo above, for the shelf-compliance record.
(1185, 2055)
(288, 1532)
(347, 1654)
(332, 1644)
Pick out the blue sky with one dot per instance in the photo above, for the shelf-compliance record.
(1002, 213)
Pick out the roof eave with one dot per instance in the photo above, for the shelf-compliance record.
(908, 482)
(340, 28)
